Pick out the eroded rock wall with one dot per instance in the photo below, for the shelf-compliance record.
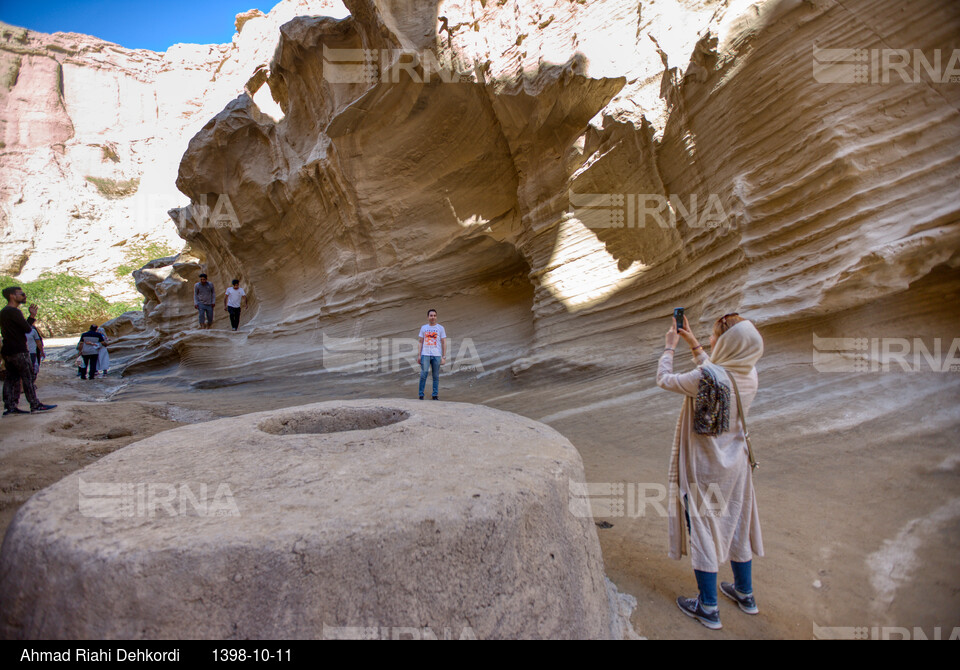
(793, 195)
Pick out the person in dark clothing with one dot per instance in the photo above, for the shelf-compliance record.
(89, 347)
(16, 360)
(35, 351)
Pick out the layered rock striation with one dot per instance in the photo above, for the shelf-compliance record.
(571, 177)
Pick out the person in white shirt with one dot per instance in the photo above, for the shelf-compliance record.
(432, 353)
(103, 357)
(234, 299)
(35, 349)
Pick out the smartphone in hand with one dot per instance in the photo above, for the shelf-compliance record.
(678, 317)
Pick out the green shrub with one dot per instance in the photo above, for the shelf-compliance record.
(140, 253)
(68, 304)
(115, 309)
(12, 73)
(113, 189)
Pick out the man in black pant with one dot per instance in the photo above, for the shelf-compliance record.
(16, 360)
(233, 299)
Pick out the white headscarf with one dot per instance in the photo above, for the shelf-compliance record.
(739, 348)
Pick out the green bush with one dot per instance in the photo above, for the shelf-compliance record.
(12, 73)
(113, 189)
(68, 304)
(115, 309)
(140, 253)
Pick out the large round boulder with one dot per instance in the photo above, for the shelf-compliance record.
(368, 518)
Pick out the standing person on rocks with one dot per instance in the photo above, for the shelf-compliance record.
(432, 353)
(711, 464)
(16, 359)
(89, 346)
(234, 299)
(204, 299)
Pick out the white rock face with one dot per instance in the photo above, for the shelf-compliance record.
(74, 106)
(325, 520)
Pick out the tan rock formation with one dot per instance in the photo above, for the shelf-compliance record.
(792, 197)
(316, 521)
(831, 211)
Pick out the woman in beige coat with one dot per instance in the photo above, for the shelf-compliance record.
(711, 479)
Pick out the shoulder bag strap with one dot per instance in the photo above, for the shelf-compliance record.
(746, 434)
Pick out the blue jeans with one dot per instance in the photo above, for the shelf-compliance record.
(205, 310)
(707, 581)
(707, 585)
(742, 582)
(434, 364)
(742, 577)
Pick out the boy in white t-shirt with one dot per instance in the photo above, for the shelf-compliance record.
(234, 298)
(432, 353)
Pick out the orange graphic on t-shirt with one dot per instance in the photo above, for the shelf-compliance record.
(430, 338)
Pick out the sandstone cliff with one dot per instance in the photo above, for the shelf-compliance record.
(825, 186)
(589, 167)
(91, 134)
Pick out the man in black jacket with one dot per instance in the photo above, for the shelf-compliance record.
(16, 360)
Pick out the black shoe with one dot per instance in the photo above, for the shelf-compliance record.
(747, 603)
(693, 609)
(436, 397)
(15, 410)
(41, 408)
(421, 397)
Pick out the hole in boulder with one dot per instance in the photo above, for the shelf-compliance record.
(332, 420)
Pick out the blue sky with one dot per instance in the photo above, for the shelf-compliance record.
(132, 24)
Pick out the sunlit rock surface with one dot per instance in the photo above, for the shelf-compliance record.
(545, 200)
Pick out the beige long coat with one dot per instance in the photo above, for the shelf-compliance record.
(714, 472)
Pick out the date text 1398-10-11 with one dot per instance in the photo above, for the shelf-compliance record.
(255, 655)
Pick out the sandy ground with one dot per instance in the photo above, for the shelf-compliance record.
(858, 488)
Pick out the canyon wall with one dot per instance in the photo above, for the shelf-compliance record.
(575, 172)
